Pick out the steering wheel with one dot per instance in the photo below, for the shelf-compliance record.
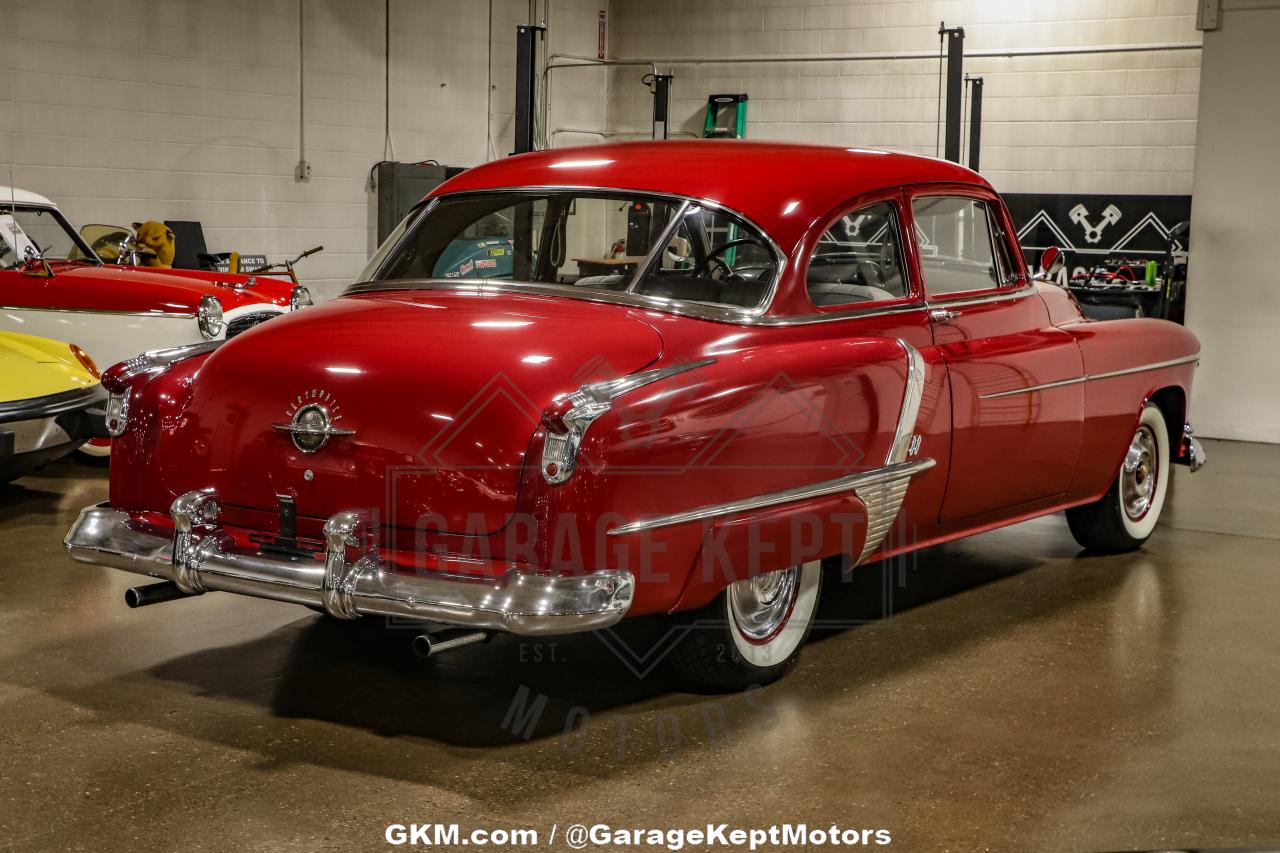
(713, 256)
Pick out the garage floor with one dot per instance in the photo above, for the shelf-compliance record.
(1022, 697)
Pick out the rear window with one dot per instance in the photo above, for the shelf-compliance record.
(597, 241)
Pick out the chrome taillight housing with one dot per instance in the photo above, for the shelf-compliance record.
(566, 420)
(121, 379)
(117, 417)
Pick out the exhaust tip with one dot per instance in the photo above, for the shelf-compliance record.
(426, 645)
(155, 593)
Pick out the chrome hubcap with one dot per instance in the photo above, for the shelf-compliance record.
(1139, 475)
(760, 605)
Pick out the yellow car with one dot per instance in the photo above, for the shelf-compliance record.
(50, 402)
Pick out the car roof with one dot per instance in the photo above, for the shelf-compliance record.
(17, 196)
(782, 187)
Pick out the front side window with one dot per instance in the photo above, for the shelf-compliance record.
(858, 259)
(589, 240)
(958, 252)
(35, 232)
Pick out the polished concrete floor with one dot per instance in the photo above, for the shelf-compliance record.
(1021, 697)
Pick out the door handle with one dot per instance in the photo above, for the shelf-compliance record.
(941, 315)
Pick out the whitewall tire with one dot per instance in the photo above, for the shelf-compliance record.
(1127, 514)
(752, 633)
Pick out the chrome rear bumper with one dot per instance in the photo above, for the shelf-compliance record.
(1192, 453)
(352, 581)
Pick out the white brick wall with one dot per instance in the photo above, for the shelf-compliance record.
(124, 110)
(1123, 123)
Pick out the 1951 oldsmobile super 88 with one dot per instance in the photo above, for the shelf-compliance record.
(803, 355)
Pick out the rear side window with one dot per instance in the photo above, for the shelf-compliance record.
(957, 250)
(858, 259)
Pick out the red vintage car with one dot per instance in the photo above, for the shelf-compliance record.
(771, 377)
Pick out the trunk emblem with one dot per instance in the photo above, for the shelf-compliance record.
(312, 419)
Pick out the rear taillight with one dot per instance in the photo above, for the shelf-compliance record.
(117, 413)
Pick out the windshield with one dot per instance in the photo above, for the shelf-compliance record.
(595, 241)
(29, 233)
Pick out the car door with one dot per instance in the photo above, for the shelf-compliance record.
(1010, 446)
(861, 279)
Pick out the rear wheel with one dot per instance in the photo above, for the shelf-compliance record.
(1127, 514)
(751, 634)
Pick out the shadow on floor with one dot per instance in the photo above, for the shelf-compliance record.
(363, 674)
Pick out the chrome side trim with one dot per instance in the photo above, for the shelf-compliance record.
(849, 483)
(353, 580)
(883, 499)
(1092, 377)
(1173, 362)
(912, 394)
(174, 314)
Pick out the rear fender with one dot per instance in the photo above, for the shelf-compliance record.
(773, 538)
(1129, 363)
(763, 423)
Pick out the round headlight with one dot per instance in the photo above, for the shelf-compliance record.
(209, 317)
(300, 298)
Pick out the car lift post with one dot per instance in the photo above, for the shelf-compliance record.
(975, 119)
(526, 74)
(661, 88)
(955, 83)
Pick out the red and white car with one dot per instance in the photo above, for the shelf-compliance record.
(53, 284)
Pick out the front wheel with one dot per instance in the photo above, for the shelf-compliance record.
(1127, 514)
(752, 632)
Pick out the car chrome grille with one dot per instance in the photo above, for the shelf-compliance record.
(248, 321)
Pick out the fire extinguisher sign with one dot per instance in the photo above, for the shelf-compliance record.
(600, 43)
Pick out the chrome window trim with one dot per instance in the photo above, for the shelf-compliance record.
(422, 208)
(994, 228)
(900, 245)
(655, 252)
(80, 242)
(700, 310)
(1092, 377)
(1003, 294)
(844, 314)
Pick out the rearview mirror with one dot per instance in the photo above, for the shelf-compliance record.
(1051, 263)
